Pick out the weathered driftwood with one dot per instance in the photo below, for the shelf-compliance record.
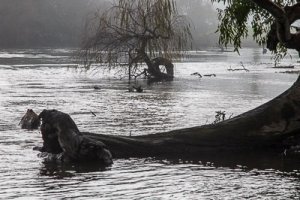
(273, 127)
(30, 120)
(61, 136)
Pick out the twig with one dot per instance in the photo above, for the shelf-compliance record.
(239, 69)
(93, 113)
(197, 74)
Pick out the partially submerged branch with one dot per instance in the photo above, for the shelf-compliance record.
(239, 69)
(30, 120)
(62, 137)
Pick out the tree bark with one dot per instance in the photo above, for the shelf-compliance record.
(272, 127)
(30, 120)
(281, 29)
(156, 72)
(153, 65)
(67, 142)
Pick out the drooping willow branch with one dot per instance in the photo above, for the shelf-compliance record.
(131, 29)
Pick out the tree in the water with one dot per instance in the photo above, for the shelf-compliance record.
(273, 127)
(133, 32)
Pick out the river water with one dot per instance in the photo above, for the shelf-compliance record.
(51, 79)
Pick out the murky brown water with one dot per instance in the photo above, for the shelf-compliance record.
(46, 79)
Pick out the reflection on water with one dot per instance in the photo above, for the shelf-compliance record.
(43, 79)
(69, 170)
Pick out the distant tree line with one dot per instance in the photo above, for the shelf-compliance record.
(37, 23)
(60, 23)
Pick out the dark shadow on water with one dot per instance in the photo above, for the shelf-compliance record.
(67, 170)
(247, 161)
(244, 161)
(158, 80)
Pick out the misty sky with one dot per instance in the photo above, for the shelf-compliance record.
(60, 23)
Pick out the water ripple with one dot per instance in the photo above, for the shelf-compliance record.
(41, 79)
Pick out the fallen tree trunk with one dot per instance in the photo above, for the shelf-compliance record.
(272, 127)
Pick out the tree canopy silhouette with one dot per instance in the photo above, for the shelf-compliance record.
(271, 22)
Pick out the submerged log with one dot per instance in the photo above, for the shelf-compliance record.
(30, 120)
(70, 144)
(272, 127)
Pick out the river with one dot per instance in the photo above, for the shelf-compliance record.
(51, 79)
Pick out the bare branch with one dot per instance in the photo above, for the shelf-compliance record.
(133, 31)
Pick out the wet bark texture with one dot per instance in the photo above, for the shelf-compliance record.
(155, 71)
(272, 127)
(281, 28)
(154, 67)
(61, 136)
(30, 120)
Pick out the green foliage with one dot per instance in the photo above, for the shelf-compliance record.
(241, 15)
(236, 19)
(279, 54)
